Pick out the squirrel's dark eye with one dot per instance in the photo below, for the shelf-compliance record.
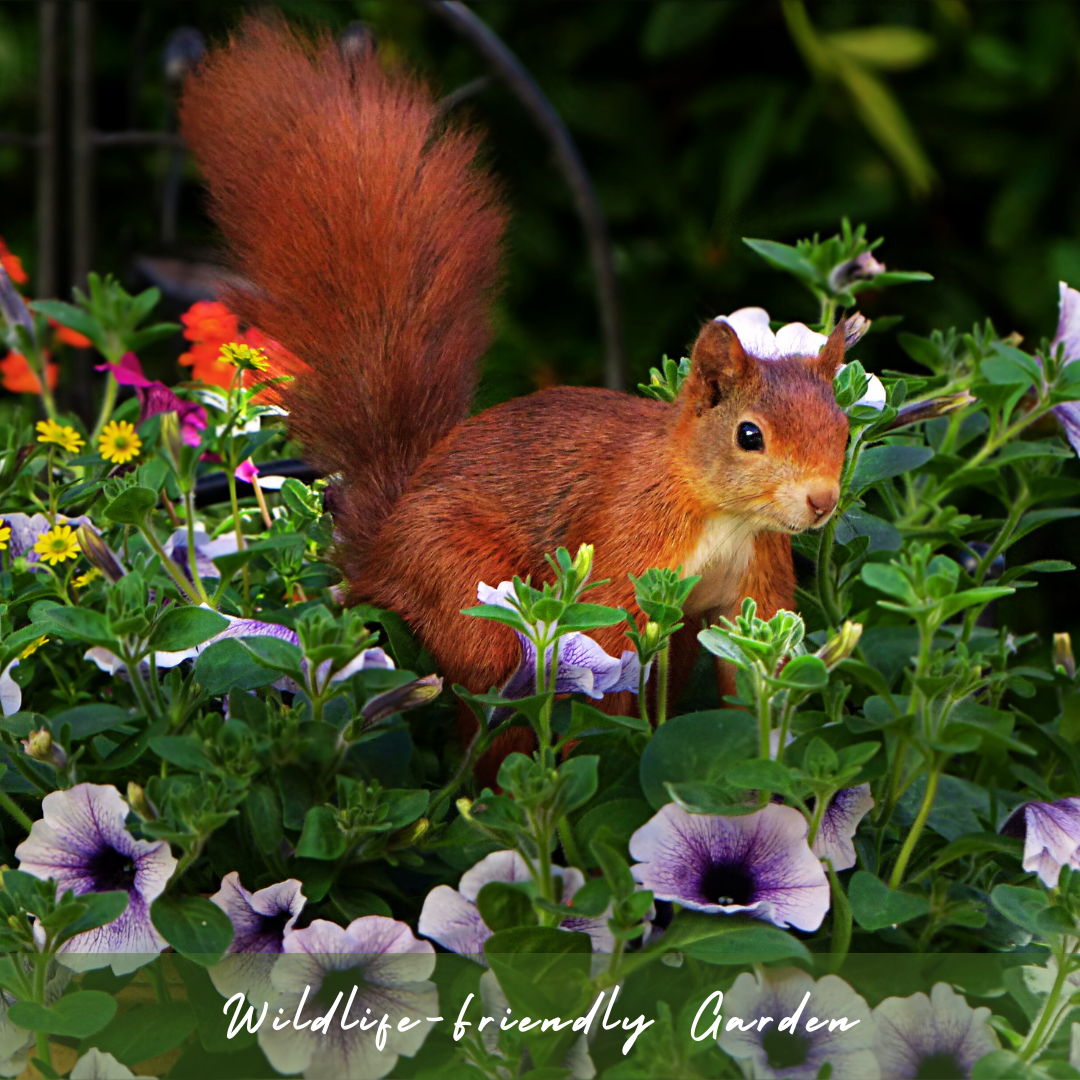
(749, 437)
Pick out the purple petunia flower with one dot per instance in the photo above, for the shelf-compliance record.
(373, 967)
(939, 1035)
(206, 550)
(1068, 334)
(584, 667)
(81, 841)
(451, 917)
(26, 530)
(838, 825)
(803, 1048)
(755, 863)
(260, 922)
(1051, 835)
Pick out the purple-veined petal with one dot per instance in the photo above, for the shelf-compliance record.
(1068, 328)
(838, 825)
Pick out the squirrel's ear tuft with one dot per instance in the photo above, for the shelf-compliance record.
(832, 352)
(717, 362)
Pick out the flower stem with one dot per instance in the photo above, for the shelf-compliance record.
(261, 498)
(107, 404)
(1033, 1043)
(239, 532)
(662, 685)
(570, 844)
(917, 827)
(15, 811)
(643, 705)
(41, 973)
(189, 514)
(168, 565)
(820, 807)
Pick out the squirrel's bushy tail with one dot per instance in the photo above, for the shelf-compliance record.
(370, 239)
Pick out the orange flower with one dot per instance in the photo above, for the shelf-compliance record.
(16, 376)
(209, 325)
(70, 337)
(13, 265)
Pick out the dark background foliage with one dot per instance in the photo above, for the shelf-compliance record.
(700, 123)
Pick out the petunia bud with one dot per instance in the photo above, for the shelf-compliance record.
(137, 800)
(651, 637)
(839, 648)
(410, 696)
(40, 747)
(98, 554)
(172, 440)
(411, 833)
(583, 563)
(930, 409)
(1063, 655)
(863, 267)
(464, 807)
(855, 328)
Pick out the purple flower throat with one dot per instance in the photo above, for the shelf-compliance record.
(271, 930)
(786, 1049)
(111, 870)
(727, 883)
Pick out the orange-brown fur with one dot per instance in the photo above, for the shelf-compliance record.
(371, 241)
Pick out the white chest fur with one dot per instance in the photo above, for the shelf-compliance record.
(721, 557)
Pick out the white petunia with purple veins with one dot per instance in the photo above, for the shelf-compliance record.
(584, 667)
(806, 1048)
(373, 967)
(1068, 334)
(751, 326)
(451, 917)
(206, 550)
(82, 842)
(939, 1035)
(26, 530)
(260, 922)
(758, 864)
(839, 824)
(1051, 835)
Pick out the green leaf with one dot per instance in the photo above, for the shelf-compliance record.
(227, 665)
(585, 721)
(547, 941)
(145, 1032)
(76, 1015)
(181, 628)
(891, 48)
(881, 462)
(236, 560)
(695, 747)
(875, 906)
(786, 258)
(183, 751)
(805, 673)
(274, 653)
(322, 837)
(83, 624)
(1019, 905)
(100, 910)
(760, 774)
(748, 944)
(580, 778)
(703, 797)
(130, 507)
(889, 580)
(82, 322)
(89, 720)
(503, 906)
(193, 926)
(207, 1004)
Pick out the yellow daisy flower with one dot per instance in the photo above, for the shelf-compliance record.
(33, 647)
(244, 356)
(84, 579)
(5, 535)
(118, 442)
(58, 544)
(67, 438)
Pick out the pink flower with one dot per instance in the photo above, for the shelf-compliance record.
(128, 372)
(155, 397)
(247, 472)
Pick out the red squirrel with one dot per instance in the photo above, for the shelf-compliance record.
(370, 238)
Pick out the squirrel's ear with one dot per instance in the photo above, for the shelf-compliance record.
(832, 352)
(717, 361)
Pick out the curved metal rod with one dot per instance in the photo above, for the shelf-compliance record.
(528, 92)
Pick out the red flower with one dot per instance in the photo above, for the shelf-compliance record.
(16, 376)
(209, 325)
(13, 265)
(70, 337)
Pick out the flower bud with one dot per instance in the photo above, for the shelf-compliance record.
(464, 807)
(863, 267)
(651, 636)
(1063, 655)
(930, 409)
(172, 440)
(40, 747)
(839, 648)
(98, 554)
(137, 800)
(855, 327)
(410, 696)
(412, 833)
(583, 563)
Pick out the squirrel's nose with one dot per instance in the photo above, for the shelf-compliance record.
(822, 500)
